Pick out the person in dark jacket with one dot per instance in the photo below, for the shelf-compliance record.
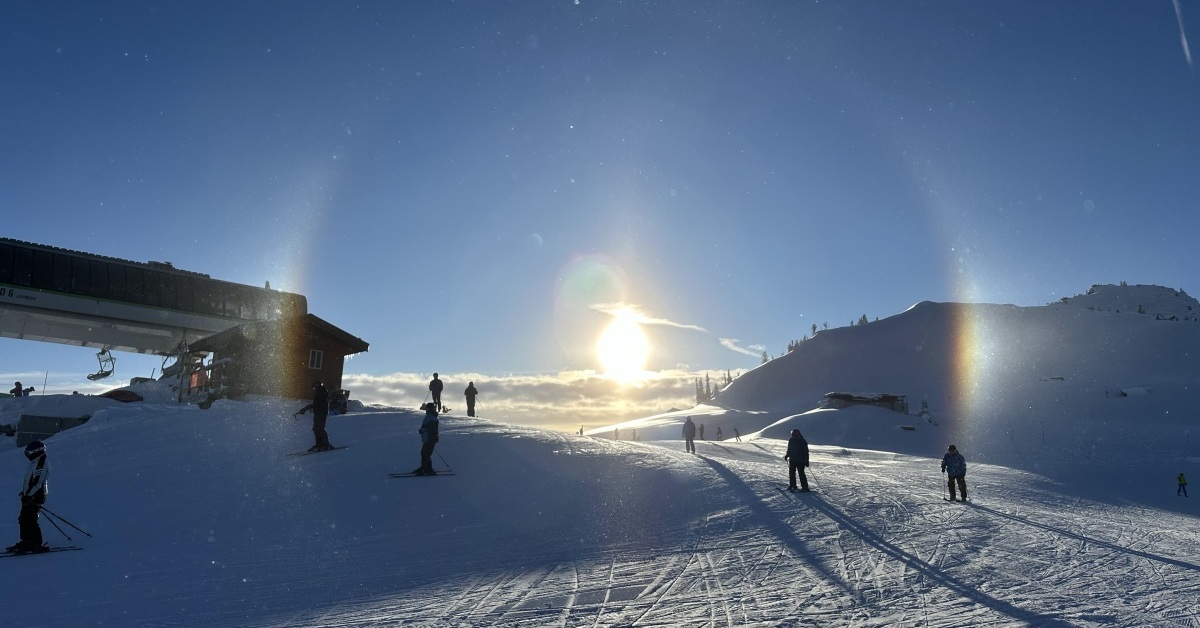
(797, 457)
(1182, 490)
(435, 389)
(689, 436)
(470, 393)
(33, 495)
(955, 468)
(320, 408)
(20, 391)
(429, 439)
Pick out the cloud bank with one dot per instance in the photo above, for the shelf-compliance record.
(563, 401)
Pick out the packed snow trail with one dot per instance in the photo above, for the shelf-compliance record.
(198, 519)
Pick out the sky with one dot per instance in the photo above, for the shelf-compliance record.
(1073, 518)
(481, 189)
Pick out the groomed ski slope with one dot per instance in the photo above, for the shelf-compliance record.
(199, 519)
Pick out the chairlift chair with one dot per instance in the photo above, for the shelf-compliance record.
(107, 365)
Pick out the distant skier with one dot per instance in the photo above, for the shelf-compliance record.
(320, 408)
(797, 457)
(435, 388)
(737, 436)
(701, 431)
(20, 391)
(955, 468)
(33, 495)
(689, 436)
(470, 394)
(429, 439)
(1182, 490)
(720, 436)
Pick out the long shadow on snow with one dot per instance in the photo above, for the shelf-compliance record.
(770, 519)
(1088, 539)
(929, 571)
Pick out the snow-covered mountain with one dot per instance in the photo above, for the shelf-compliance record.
(199, 518)
(1108, 379)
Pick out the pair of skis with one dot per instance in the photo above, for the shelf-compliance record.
(420, 475)
(62, 548)
(315, 451)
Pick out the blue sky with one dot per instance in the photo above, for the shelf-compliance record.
(475, 187)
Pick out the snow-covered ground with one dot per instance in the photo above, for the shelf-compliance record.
(198, 517)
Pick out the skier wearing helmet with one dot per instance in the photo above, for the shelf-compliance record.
(33, 495)
(955, 468)
(797, 457)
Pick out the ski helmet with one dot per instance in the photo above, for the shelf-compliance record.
(795, 432)
(35, 449)
(953, 448)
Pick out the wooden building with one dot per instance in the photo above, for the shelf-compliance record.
(277, 358)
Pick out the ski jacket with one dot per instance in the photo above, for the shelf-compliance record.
(429, 428)
(435, 385)
(689, 429)
(37, 480)
(954, 464)
(1182, 480)
(797, 451)
(470, 392)
(320, 403)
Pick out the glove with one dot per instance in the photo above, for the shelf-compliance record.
(808, 464)
(785, 457)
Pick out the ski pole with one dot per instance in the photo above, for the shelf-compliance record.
(59, 517)
(60, 530)
(443, 459)
(944, 495)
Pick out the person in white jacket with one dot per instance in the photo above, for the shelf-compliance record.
(33, 494)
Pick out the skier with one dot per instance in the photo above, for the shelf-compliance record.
(470, 394)
(320, 408)
(797, 457)
(429, 438)
(435, 388)
(33, 495)
(1182, 485)
(737, 436)
(720, 436)
(701, 430)
(689, 436)
(955, 468)
(20, 391)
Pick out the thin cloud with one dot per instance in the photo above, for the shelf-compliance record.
(732, 345)
(634, 313)
(1187, 51)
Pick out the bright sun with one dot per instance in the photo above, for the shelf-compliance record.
(622, 349)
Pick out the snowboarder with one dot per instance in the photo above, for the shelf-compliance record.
(320, 408)
(797, 457)
(435, 388)
(1182, 490)
(689, 436)
(737, 436)
(955, 468)
(20, 391)
(470, 394)
(33, 495)
(429, 438)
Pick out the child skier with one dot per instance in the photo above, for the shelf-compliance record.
(33, 495)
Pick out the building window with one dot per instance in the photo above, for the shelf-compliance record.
(316, 358)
